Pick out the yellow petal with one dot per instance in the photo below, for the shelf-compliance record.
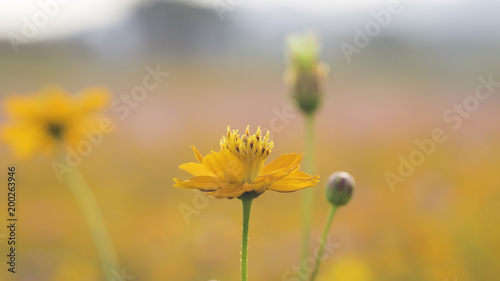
(56, 103)
(230, 190)
(289, 185)
(295, 181)
(21, 107)
(23, 139)
(283, 162)
(203, 183)
(225, 165)
(263, 181)
(257, 187)
(232, 166)
(196, 169)
(248, 186)
(197, 154)
(212, 164)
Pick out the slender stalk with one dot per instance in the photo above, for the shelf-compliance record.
(246, 204)
(323, 242)
(77, 184)
(308, 194)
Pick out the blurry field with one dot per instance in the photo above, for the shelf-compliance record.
(440, 224)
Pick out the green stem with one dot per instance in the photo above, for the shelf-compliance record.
(323, 242)
(77, 184)
(246, 203)
(308, 194)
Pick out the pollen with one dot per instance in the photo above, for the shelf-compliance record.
(248, 146)
(251, 149)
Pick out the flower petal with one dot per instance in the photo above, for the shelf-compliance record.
(196, 169)
(23, 138)
(261, 183)
(197, 154)
(203, 183)
(230, 190)
(21, 107)
(295, 181)
(283, 162)
(57, 104)
(225, 165)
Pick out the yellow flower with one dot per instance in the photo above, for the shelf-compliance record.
(239, 168)
(41, 121)
(349, 268)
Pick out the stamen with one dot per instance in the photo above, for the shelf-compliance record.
(251, 149)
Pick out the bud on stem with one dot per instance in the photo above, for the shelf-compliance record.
(339, 189)
(305, 75)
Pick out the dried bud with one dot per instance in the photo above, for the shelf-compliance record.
(339, 189)
(305, 75)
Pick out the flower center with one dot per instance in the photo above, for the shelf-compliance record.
(251, 150)
(55, 129)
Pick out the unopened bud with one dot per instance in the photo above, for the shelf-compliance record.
(339, 189)
(305, 74)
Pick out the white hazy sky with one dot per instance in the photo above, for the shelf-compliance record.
(320, 5)
(72, 16)
(67, 16)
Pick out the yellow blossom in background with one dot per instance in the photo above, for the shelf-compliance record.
(77, 271)
(40, 121)
(239, 167)
(348, 269)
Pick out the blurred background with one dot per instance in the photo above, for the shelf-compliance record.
(226, 62)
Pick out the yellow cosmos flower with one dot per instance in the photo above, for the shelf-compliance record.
(239, 168)
(40, 121)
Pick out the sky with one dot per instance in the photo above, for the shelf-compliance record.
(45, 19)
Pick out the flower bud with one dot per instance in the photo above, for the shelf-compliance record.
(305, 75)
(339, 189)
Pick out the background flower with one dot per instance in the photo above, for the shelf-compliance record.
(41, 121)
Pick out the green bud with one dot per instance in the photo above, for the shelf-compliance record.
(339, 189)
(305, 75)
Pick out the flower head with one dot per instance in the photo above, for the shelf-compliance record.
(305, 74)
(41, 121)
(239, 168)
